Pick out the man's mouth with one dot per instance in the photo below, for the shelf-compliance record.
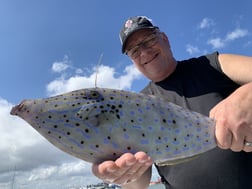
(155, 56)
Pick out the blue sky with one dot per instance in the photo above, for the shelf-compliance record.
(53, 46)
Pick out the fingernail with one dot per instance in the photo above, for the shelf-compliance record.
(130, 163)
(142, 161)
(111, 170)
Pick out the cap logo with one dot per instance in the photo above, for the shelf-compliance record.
(128, 24)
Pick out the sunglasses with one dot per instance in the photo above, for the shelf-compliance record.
(148, 42)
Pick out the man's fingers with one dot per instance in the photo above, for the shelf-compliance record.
(223, 136)
(105, 170)
(134, 169)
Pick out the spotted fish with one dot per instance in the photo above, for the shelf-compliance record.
(98, 124)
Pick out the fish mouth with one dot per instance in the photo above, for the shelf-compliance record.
(16, 109)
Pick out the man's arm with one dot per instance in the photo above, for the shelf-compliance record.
(233, 115)
(237, 67)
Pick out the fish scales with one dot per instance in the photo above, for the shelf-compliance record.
(98, 124)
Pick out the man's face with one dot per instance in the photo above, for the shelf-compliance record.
(149, 49)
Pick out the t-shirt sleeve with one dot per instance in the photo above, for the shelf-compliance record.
(214, 61)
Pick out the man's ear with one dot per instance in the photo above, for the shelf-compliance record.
(165, 38)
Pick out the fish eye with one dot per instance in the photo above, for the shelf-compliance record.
(94, 94)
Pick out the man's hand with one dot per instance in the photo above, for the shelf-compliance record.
(233, 118)
(128, 170)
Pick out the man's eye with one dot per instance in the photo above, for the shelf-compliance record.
(134, 51)
(149, 42)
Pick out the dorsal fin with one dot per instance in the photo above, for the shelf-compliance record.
(97, 69)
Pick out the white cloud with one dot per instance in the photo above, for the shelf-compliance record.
(218, 42)
(237, 33)
(42, 173)
(61, 66)
(72, 168)
(192, 49)
(64, 66)
(106, 78)
(206, 23)
(67, 169)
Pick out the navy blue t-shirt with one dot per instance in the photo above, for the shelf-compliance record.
(199, 84)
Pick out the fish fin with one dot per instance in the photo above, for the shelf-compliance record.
(90, 120)
(93, 115)
(184, 159)
(88, 111)
(89, 114)
(94, 121)
(177, 160)
(173, 162)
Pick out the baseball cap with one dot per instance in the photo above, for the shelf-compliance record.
(132, 25)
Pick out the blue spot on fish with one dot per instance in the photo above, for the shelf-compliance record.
(126, 136)
(144, 141)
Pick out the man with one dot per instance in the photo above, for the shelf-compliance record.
(218, 85)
